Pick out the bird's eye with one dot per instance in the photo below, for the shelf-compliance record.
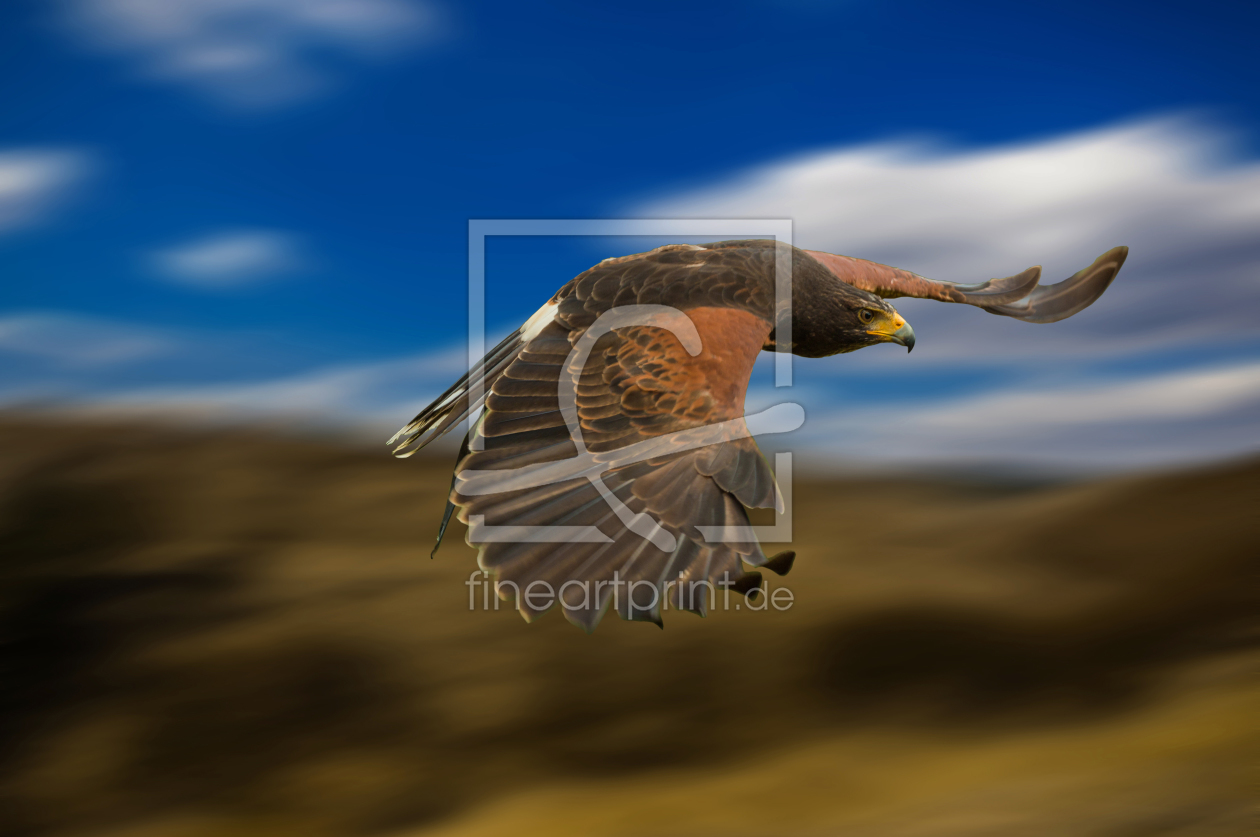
(866, 315)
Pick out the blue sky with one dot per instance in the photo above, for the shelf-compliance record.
(251, 207)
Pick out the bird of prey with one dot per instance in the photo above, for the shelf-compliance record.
(612, 444)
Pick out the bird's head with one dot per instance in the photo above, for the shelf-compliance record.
(838, 317)
(865, 320)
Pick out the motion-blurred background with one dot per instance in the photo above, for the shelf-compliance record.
(233, 252)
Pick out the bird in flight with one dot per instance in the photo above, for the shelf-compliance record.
(612, 466)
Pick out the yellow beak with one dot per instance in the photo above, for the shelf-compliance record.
(893, 328)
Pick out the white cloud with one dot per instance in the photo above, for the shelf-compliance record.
(250, 53)
(111, 368)
(1153, 420)
(73, 340)
(381, 390)
(1168, 397)
(1165, 187)
(229, 258)
(374, 399)
(33, 181)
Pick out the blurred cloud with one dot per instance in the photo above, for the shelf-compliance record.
(1166, 187)
(1049, 424)
(250, 53)
(1165, 397)
(34, 180)
(116, 366)
(229, 259)
(1145, 421)
(375, 396)
(74, 340)
(1095, 392)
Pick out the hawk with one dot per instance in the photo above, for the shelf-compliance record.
(611, 466)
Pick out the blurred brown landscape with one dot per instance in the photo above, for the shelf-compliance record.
(230, 632)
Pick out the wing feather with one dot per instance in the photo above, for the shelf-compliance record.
(1051, 303)
(638, 383)
(1019, 296)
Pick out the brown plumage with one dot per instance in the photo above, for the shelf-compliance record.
(594, 426)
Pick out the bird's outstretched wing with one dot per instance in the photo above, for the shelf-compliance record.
(1019, 296)
(633, 390)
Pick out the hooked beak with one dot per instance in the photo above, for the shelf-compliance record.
(895, 329)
